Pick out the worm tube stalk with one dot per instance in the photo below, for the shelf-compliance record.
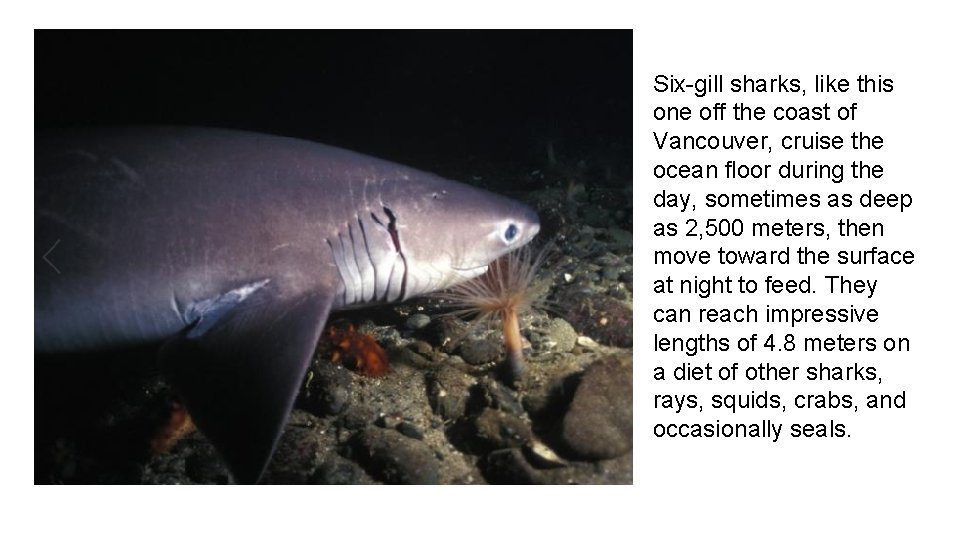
(513, 342)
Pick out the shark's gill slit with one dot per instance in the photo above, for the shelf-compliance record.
(392, 227)
(356, 261)
(351, 284)
(403, 282)
(395, 235)
(339, 264)
(373, 263)
(386, 291)
(344, 271)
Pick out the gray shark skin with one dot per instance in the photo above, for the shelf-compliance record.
(231, 249)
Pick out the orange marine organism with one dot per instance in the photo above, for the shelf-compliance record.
(358, 352)
(177, 425)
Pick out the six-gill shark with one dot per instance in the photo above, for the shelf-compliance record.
(231, 249)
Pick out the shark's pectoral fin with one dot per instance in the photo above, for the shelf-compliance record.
(240, 375)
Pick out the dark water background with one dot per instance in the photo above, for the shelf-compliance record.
(458, 103)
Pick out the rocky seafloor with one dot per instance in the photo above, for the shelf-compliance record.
(442, 414)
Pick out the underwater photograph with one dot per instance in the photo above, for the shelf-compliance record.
(333, 257)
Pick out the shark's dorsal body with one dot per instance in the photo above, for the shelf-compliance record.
(231, 249)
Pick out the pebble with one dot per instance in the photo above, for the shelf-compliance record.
(599, 421)
(619, 292)
(328, 389)
(508, 466)
(389, 421)
(587, 342)
(422, 348)
(610, 273)
(620, 237)
(548, 402)
(408, 356)
(417, 321)
(410, 430)
(502, 430)
(358, 416)
(542, 456)
(442, 332)
(481, 351)
(608, 259)
(448, 389)
(607, 320)
(394, 458)
(499, 396)
(561, 335)
(340, 471)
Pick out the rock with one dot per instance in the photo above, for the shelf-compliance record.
(358, 417)
(327, 390)
(410, 430)
(340, 471)
(448, 390)
(586, 342)
(388, 421)
(558, 336)
(619, 291)
(512, 466)
(481, 351)
(385, 336)
(422, 348)
(395, 459)
(408, 356)
(417, 321)
(398, 423)
(548, 402)
(499, 429)
(298, 452)
(508, 466)
(499, 396)
(620, 237)
(605, 319)
(542, 456)
(443, 332)
(608, 260)
(599, 421)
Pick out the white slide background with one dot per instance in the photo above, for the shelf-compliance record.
(896, 474)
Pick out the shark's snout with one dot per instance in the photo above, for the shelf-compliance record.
(531, 222)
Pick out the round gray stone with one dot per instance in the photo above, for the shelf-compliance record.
(417, 321)
(599, 422)
(561, 335)
(394, 458)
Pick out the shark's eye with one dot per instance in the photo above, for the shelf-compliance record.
(510, 234)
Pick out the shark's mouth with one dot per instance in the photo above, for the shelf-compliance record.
(470, 273)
